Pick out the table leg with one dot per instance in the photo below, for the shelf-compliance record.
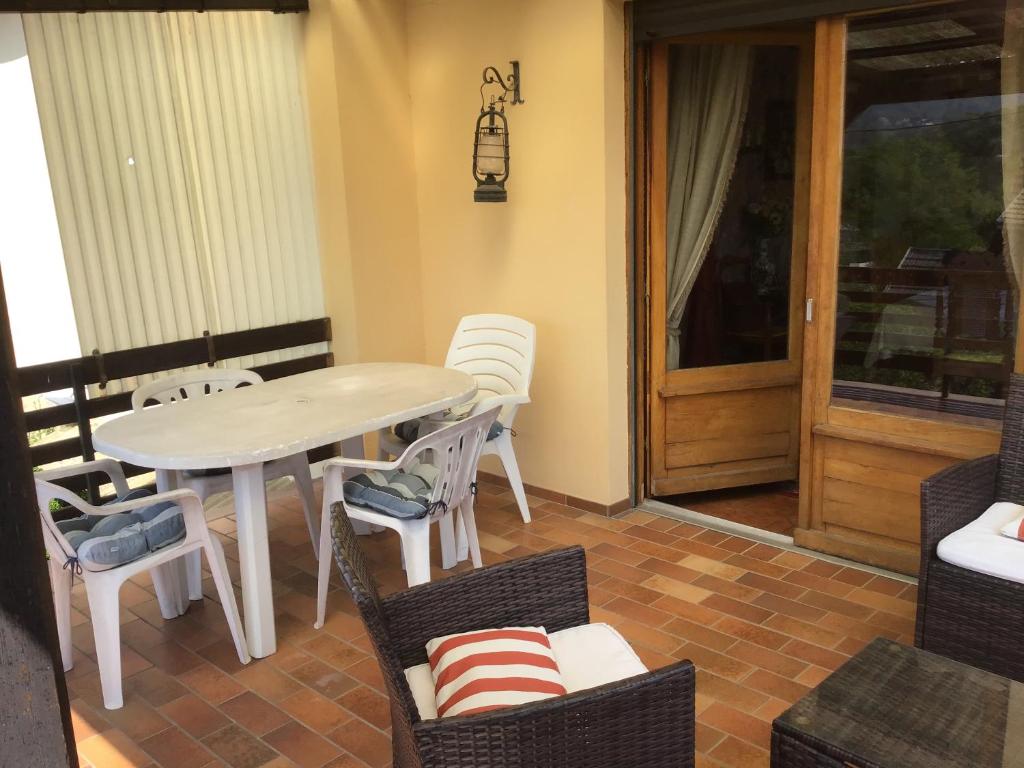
(254, 557)
(169, 578)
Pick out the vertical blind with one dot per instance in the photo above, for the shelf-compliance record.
(178, 151)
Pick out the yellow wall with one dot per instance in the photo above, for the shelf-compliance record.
(555, 252)
(361, 131)
(404, 100)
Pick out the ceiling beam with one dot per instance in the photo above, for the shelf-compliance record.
(84, 6)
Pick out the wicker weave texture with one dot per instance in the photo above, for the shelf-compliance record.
(790, 752)
(643, 722)
(963, 615)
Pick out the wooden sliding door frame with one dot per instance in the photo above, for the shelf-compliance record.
(662, 382)
(844, 426)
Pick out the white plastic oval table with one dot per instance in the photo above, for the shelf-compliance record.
(243, 428)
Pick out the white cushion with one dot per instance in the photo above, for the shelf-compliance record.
(979, 546)
(1015, 528)
(588, 656)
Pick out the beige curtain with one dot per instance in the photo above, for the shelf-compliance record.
(1013, 137)
(708, 95)
(179, 156)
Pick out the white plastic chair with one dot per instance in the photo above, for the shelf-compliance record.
(102, 586)
(498, 351)
(183, 386)
(455, 451)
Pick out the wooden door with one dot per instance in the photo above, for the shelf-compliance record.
(725, 411)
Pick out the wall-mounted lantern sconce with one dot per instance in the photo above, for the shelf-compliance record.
(490, 140)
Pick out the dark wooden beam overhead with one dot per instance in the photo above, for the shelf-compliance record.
(667, 18)
(84, 6)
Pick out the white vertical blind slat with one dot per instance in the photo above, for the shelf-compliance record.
(213, 226)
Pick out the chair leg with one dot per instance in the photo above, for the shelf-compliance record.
(323, 567)
(503, 443)
(446, 529)
(106, 628)
(299, 465)
(226, 593)
(416, 548)
(61, 581)
(469, 525)
(461, 541)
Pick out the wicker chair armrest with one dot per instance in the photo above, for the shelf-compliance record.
(952, 498)
(645, 720)
(547, 590)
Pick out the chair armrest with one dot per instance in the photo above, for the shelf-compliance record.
(109, 467)
(547, 590)
(952, 498)
(342, 463)
(187, 500)
(645, 720)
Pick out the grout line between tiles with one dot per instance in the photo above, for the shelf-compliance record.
(764, 537)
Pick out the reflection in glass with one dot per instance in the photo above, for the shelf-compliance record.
(931, 237)
(731, 138)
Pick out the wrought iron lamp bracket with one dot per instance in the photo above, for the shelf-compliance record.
(509, 84)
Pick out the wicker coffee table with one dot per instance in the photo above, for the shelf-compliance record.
(892, 706)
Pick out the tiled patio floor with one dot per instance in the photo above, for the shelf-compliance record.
(768, 507)
(762, 625)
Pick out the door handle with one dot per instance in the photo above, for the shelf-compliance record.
(809, 311)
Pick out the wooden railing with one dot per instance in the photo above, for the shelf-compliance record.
(98, 369)
(937, 320)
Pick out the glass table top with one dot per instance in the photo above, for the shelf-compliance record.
(897, 706)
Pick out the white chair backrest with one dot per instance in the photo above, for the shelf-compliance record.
(498, 351)
(183, 386)
(455, 451)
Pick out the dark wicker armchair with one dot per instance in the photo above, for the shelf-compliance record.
(644, 721)
(964, 615)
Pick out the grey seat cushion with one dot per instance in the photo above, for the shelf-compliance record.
(412, 430)
(107, 541)
(403, 494)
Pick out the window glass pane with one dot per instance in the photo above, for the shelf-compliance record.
(932, 215)
(731, 138)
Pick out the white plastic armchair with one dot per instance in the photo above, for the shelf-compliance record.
(498, 351)
(179, 387)
(455, 451)
(103, 586)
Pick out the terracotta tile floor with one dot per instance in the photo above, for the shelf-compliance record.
(762, 625)
(772, 507)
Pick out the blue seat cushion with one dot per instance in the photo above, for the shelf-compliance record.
(107, 541)
(412, 430)
(403, 494)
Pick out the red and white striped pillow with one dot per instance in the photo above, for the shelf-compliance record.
(492, 668)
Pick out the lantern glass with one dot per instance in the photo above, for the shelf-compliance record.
(490, 152)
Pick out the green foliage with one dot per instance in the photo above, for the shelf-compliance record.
(936, 187)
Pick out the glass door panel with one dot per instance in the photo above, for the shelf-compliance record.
(729, 169)
(932, 235)
(731, 159)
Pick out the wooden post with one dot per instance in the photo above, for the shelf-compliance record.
(35, 716)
